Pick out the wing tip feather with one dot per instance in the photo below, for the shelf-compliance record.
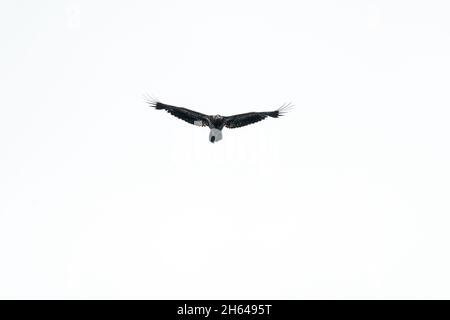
(285, 108)
(151, 101)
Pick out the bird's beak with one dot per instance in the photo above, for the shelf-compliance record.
(212, 139)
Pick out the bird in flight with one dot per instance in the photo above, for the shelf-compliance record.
(217, 122)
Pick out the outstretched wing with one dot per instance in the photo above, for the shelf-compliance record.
(193, 117)
(244, 119)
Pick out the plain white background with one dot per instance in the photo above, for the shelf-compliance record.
(345, 197)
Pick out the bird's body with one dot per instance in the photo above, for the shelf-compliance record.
(217, 122)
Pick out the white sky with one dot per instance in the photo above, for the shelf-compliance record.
(345, 197)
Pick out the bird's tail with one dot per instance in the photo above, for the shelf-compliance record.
(282, 110)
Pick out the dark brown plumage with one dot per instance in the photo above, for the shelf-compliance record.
(217, 122)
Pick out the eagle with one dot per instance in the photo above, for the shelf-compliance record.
(217, 122)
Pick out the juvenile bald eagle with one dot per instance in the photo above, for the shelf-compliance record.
(217, 122)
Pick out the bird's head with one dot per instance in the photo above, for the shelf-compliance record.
(217, 116)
